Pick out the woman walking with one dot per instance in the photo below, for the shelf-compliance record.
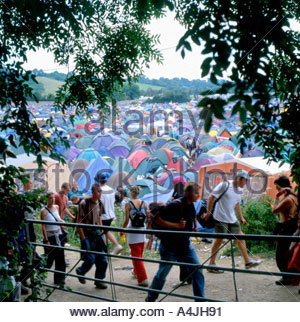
(136, 241)
(51, 235)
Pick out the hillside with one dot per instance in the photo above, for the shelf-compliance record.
(50, 85)
(144, 87)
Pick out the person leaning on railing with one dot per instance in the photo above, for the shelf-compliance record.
(286, 204)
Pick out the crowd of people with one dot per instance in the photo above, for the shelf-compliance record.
(180, 214)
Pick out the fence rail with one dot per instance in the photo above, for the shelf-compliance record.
(229, 237)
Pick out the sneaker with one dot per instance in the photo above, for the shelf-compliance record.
(60, 283)
(117, 250)
(207, 240)
(253, 263)
(143, 283)
(133, 274)
(24, 290)
(67, 262)
(148, 300)
(178, 284)
(100, 285)
(80, 279)
(283, 282)
(214, 270)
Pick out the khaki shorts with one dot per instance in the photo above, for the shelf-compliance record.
(226, 228)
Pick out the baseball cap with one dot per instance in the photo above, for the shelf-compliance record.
(100, 178)
(243, 174)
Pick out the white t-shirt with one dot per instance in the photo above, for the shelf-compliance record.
(136, 238)
(108, 200)
(224, 210)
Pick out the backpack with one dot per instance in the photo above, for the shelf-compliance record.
(210, 223)
(137, 215)
(155, 210)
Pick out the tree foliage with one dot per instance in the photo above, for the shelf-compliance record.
(253, 45)
(250, 42)
(109, 45)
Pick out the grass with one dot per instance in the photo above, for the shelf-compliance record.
(144, 87)
(74, 239)
(50, 85)
(120, 215)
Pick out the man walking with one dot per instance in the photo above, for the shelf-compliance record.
(108, 214)
(61, 199)
(91, 239)
(224, 214)
(178, 215)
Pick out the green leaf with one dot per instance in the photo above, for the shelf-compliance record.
(187, 45)
(206, 66)
(182, 53)
(208, 122)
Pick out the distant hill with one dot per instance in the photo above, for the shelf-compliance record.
(160, 89)
(50, 85)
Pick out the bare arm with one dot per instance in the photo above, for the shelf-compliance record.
(126, 220)
(282, 206)
(210, 204)
(169, 224)
(68, 213)
(195, 225)
(79, 220)
(239, 212)
(43, 217)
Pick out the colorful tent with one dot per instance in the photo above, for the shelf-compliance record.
(84, 142)
(73, 153)
(153, 164)
(202, 162)
(208, 146)
(158, 143)
(104, 140)
(119, 149)
(109, 160)
(218, 150)
(256, 152)
(137, 157)
(161, 155)
(89, 154)
(96, 167)
(120, 179)
(104, 152)
(149, 186)
(121, 164)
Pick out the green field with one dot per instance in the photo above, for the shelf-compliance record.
(144, 87)
(50, 85)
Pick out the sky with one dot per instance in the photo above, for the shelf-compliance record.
(174, 65)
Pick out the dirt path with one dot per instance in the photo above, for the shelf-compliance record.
(251, 288)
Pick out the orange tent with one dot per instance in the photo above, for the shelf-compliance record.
(261, 173)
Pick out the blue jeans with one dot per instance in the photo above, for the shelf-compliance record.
(96, 244)
(201, 229)
(189, 255)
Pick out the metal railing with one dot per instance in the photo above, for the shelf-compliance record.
(230, 238)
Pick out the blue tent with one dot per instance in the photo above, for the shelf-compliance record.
(88, 154)
(105, 152)
(97, 166)
(159, 197)
(121, 164)
(142, 167)
(153, 165)
(150, 187)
